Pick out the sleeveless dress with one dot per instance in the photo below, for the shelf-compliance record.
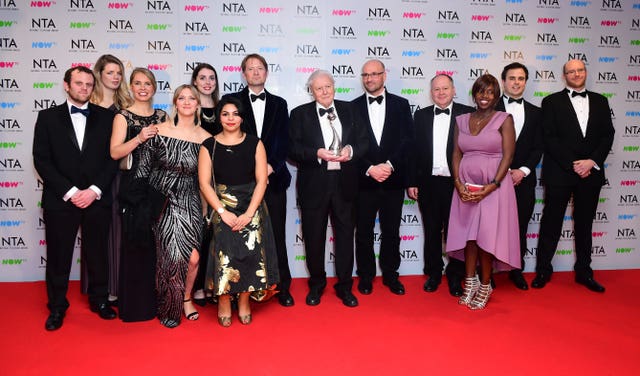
(245, 260)
(492, 222)
(137, 290)
(171, 166)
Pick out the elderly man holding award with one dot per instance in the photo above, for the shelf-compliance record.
(326, 138)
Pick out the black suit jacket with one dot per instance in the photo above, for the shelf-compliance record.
(397, 133)
(529, 145)
(62, 163)
(305, 138)
(564, 142)
(421, 162)
(275, 134)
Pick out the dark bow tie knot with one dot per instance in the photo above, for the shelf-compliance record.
(511, 100)
(441, 111)
(378, 99)
(582, 94)
(322, 111)
(83, 111)
(261, 96)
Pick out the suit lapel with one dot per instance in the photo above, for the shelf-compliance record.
(249, 120)
(269, 113)
(566, 102)
(67, 125)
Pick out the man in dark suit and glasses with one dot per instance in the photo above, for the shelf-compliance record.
(71, 154)
(578, 134)
(528, 123)
(327, 182)
(430, 181)
(267, 117)
(383, 178)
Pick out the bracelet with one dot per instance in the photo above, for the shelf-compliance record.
(495, 182)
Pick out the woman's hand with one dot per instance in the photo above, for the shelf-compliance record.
(229, 218)
(147, 133)
(241, 221)
(486, 190)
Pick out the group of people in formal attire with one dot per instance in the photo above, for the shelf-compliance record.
(189, 208)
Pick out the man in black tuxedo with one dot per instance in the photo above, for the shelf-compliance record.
(383, 178)
(578, 134)
(327, 182)
(267, 117)
(430, 181)
(528, 123)
(71, 154)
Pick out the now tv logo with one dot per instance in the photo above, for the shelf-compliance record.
(8, 64)
(41, 4)
(195, 8)
(9, 184)
(415, 15)
(269, 10)
(480, 17)
(114, 5)
(158, 67)
(342, 12)
(231, 68)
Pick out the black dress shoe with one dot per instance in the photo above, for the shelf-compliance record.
(313, 298)
(590, 283)
(54, 321)
(201, 302)
(518, 280)
(348, 298)
(365, 287)
(285, 299)
(104, 311)
(395, 286)
(432, 284)
(455, 289)
(540, 280)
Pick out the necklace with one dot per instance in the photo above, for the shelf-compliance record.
(208, 119)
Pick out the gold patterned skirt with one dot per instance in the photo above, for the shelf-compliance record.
(245, 260)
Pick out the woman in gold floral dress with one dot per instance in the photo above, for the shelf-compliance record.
(242, 255)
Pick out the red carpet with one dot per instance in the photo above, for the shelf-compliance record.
(563, 329)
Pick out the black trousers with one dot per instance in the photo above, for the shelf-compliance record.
(585, 204)
(525, 199)
(61, 227)
(277, 205)
(388, 203)
(434, 201)
(314, 230)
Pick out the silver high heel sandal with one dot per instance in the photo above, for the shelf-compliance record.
(471, 285)
(482, 297)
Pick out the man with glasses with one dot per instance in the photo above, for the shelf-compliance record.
(578, 134)
(383, 178)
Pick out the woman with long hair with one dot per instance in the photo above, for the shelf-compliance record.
(232, 170)
(169, 166)
(132, 128)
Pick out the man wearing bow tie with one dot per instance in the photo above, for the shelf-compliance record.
(383, 178)
(267, 117)
(71, 155)
(326, 139)
(528, 123)
(430, 180)
(578, 134)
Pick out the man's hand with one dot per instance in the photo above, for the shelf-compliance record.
(517, 175)
(583, 167)
(380, 172)
(82, 199)
(412, 192)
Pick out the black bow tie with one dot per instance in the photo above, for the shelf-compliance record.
(322, 111)
(84, 111)
(378, 99)
(582, 94)
(441, 111)
(511, 100)
(254, 97)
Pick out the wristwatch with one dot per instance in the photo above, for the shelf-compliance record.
(495, 182)
(220, 210)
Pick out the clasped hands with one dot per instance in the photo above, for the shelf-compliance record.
(583, 167)
(467, 196)
(82, 199)
(236, 222)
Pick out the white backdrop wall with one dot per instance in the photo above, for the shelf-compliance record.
(416, 39)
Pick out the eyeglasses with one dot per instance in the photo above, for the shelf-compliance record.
(372, 75)
(575, 71)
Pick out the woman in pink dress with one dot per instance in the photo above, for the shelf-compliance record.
(483, 224)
